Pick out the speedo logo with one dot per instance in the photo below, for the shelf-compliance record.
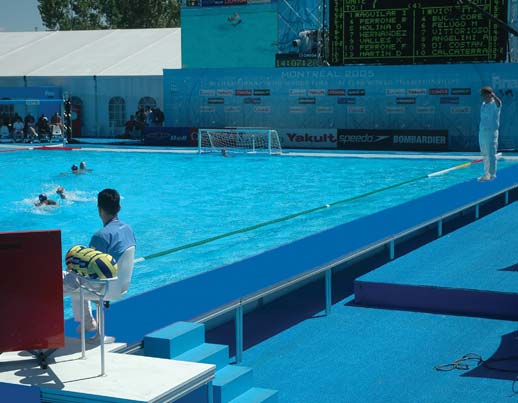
(361, 138)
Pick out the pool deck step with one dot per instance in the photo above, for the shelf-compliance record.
(207, 353)
(230, 382)
(257, 395)
(173, 340)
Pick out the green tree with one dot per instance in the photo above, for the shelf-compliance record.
(68, 15)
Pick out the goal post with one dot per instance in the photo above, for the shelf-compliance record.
(239, 140)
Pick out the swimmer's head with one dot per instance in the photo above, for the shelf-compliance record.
(60, 189)
(74, 167)
(82, 165)
(42, 197)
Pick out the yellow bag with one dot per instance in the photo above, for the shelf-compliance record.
(90, 263)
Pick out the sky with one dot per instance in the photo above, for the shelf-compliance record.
(19, 15)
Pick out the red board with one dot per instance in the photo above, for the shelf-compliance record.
(31, 291)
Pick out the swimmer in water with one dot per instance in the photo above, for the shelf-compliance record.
(43, 200)
(235, 19)
(61, 192)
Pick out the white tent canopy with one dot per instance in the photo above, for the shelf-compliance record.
(130, 52)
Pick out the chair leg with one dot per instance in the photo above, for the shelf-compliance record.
(100, 323)
(83, 336)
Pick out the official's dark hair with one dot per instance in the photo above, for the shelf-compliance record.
(109, 201)
(486, 90)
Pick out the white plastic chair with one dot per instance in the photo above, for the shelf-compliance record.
(56, 133)
(4, 133)
(101, 291)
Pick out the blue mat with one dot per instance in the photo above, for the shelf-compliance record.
(371, 355)
(473, 271)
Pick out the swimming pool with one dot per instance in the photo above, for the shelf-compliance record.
(174, 199)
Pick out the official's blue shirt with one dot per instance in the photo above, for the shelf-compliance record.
(114, 238)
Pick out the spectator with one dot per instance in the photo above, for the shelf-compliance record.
(56, 120)
(29, 127)
(132, 128)
(158, 117)
(141, 118)
(18, 129)
(43, 128)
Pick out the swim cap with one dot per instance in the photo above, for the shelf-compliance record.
(82, 165)
(42, 197)
(74, 167)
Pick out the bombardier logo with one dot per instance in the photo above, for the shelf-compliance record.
(419, 140)
(367, 138)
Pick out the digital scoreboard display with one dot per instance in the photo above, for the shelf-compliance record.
(415, 31)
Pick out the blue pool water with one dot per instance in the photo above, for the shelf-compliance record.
(175, 199)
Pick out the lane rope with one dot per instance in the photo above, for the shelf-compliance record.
(294, 215)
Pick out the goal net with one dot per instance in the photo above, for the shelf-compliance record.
(239, 141)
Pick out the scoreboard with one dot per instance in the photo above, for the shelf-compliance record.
(415, 31)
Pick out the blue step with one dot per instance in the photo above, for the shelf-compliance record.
(207, 353)
(257, 395)
(230, 382)
(174, 339)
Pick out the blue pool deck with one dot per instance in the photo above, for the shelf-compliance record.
(451, 290)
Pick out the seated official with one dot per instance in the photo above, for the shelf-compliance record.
(113, 239)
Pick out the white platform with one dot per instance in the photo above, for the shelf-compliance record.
(130, 378)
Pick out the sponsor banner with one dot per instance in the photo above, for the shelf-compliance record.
(356, 92)
(394, 109)
(402, 140)
(232, 109)
(253, 101)
(325, 109)
(262, 109)
(170, 136)
(307, 100)
(425, 109)
(261, 92)
(297, 109)
(461, 91)
(405, 100)
(460, 109)
(346, 101)
(308, 138)
(356, 109)
(449, 100)
(438, 91)
(207, 93)
(224, 93)
(211, 3)
(398, 92)
(316, 92)
(243, 93)
(335, 91)
(416, 91)
(297, 92)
